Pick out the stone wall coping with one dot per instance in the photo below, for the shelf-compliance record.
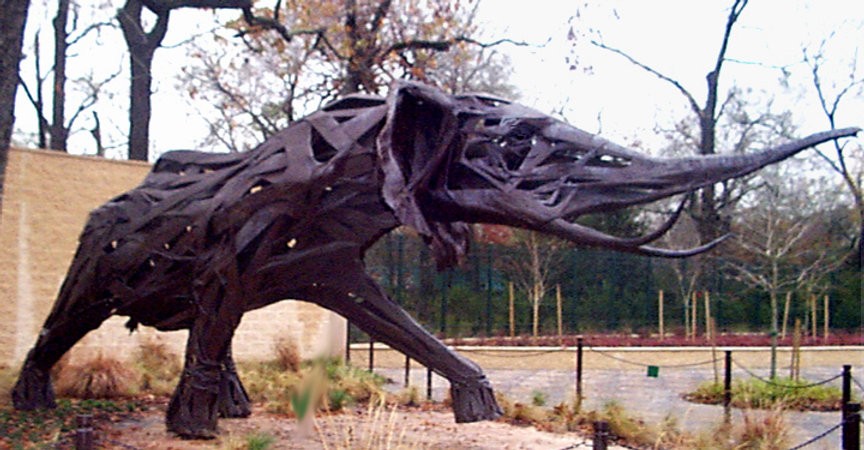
(468, 348)
(93, 158)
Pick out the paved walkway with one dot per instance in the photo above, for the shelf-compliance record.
(651, 399)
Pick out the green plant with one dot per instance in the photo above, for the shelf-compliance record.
(337, 399)
(538, 398)
(259, 441)
(799, 395)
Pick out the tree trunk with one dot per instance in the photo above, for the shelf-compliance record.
(11, 38)
(142, 45)
(59, 133)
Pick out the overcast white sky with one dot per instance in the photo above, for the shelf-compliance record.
(679, 38)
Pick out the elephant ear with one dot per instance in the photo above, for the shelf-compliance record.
(418, 139)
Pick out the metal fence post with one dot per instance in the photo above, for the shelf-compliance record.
(727, 385)
(850, 414)
(579, 370)
(348, 342)
(407, 370)
(428, 384)
(852, 426)
(84, 432)
(371, 354)
(601, 435)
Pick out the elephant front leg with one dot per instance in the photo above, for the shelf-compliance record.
(233, 399)
(195, 406)
(192, 412)
(377, 315)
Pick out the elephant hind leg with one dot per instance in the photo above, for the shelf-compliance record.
(33, 389)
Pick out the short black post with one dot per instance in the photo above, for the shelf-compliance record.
(847, 383)
(579, 370)
(850, 414)
(428, 384)
(852, 426)
(348, 343)
(727, 385)
(84, 432)
(407, 371)
(371, 354)
(601, 435)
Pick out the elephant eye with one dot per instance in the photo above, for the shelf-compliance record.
(609, 161)
(522, 132)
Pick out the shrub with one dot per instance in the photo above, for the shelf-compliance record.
(799, 395)
(100, 377)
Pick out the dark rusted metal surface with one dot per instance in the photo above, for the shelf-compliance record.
(207, 237)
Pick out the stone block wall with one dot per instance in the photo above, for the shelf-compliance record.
(47, 197)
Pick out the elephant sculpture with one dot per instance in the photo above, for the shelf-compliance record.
(207, 237)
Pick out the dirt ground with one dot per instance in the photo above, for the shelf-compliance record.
(376, 429)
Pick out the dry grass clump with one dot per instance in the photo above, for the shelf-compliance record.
(765, 430)
(378, 428)
(100, 377)
(409, 396)
(521, 413)
(7, 380)
(159, 368)
(287, 355)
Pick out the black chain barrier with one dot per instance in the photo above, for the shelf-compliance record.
(857, 383)
(667, 366)
(581, 444)
(517, 354)
(786, 386)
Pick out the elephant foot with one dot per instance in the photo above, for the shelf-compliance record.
(192, 412)
(475, 402)
(33, 390)
(233, 400)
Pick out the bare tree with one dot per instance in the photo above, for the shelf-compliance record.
(781, 244)
(54, 133)
(533, 264)
(142, 44)
(706, 207)
(12, 22)
(843, 157)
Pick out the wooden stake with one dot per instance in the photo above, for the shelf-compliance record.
(512, 312)
(825, 319)
(712, 333)
(708, 329)
(695, 315)
(796, 351)
(560, 312)
(786, 306)
(660, 313)
(814, 319)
